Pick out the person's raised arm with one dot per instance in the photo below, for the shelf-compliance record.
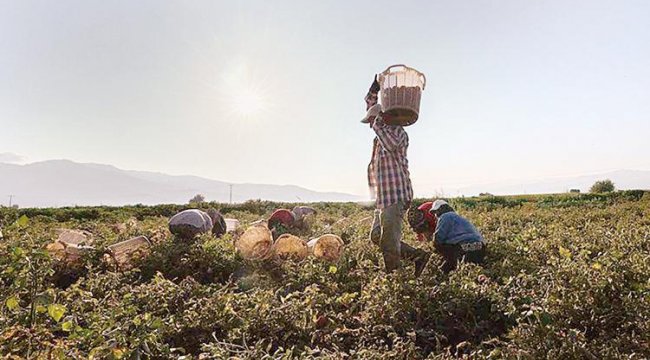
(372, 96)
(390, 137)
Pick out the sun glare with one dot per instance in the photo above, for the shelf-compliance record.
(247, 100)
(245, 92)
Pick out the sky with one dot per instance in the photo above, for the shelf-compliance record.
(272, 91)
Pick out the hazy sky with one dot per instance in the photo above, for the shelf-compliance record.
(272, 91)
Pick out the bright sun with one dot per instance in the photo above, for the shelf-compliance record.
(245, 91)
(246, 100)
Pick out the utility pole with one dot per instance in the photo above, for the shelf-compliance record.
(231, 193)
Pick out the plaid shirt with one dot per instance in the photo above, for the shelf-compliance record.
(388, 175)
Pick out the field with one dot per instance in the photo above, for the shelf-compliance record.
(568, 277)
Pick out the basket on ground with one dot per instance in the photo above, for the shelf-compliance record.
(255, 242)
(121, 253)
(289, 246)
(327, 247)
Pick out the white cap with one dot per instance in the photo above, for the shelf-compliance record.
(374, 111)
(437, 204)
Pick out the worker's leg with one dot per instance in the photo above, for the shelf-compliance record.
(375, 230)
(476, 256)
(451, 255)
(391, 234)
(408, 252)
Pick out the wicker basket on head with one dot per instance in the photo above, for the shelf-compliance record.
(401, 92)
(255, 242)
(327, 247)
(289, 246)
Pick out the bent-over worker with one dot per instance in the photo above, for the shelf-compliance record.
(189, 223)
(456, 238)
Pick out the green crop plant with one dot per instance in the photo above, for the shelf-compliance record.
(567, 277)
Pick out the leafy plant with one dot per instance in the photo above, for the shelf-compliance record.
(602, 186)
(566, 277)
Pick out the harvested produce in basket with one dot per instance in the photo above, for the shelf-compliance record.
(402, 104)
(71, 245)
(67, 252)
(328, 247)
(255, 242)
(122, 253)
(290, 246)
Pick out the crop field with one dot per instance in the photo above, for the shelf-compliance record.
(567, 277)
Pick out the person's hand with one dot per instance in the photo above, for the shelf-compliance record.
(374, 87)
(371, 99)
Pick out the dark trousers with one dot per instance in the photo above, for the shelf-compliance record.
(386, 232)
(452, 254)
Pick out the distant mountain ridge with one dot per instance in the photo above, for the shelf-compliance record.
(56, 183)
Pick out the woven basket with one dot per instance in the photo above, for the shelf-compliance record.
(255, 242)
(291, 247)
(401, 91)
(328, 247)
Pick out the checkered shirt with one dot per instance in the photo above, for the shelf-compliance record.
(388, 174)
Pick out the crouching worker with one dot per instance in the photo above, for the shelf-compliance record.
(455, 238)
(284, 221)
(187, 224)
(422, 221)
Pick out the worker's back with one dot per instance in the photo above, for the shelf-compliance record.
(189, 223)
(455, 229)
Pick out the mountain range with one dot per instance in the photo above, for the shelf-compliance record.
(56, 183)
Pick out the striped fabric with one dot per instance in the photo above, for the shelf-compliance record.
(388, 175)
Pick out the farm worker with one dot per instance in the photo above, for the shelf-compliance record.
(455, 237)
(390, 185)
(189, 223)
(422, 221)
(301, 213)
(289, 221)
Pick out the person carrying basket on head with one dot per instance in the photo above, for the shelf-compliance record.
(390, 185)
